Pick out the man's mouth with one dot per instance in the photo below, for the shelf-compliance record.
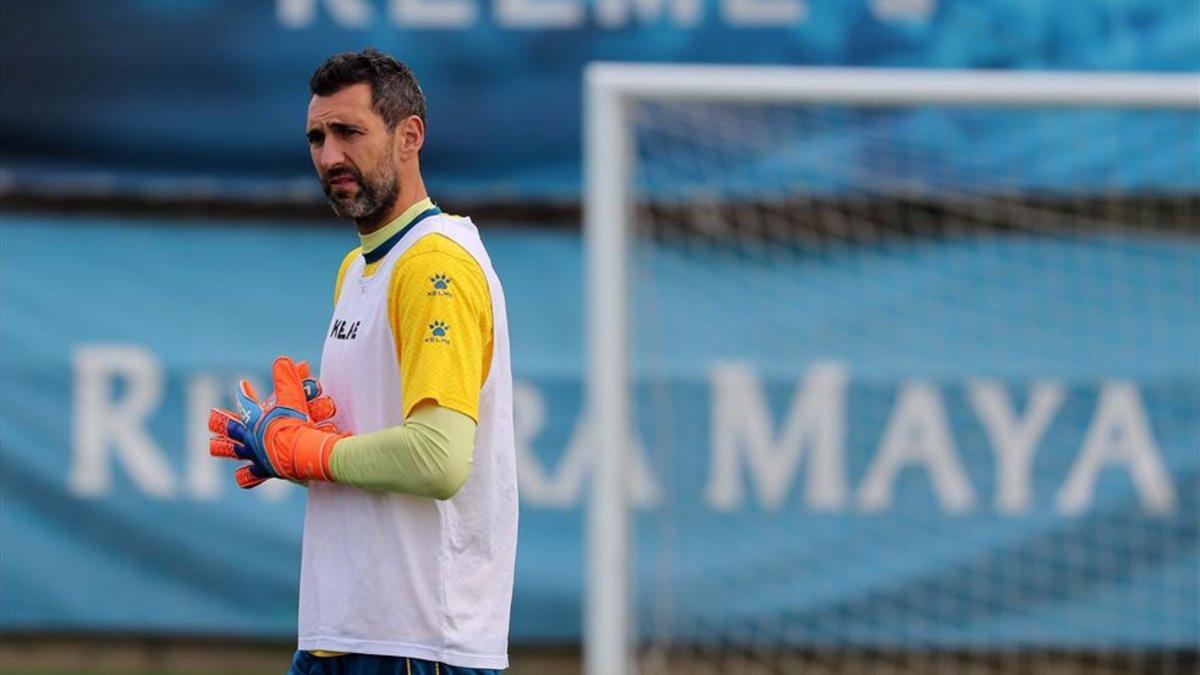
(342, 182)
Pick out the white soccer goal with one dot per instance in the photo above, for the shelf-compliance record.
(892, 371)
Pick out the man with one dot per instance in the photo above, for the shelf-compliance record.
(410, 530)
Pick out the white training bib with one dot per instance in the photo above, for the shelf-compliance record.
(395, 574)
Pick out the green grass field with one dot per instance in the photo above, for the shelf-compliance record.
(133, 669)
(132, 655)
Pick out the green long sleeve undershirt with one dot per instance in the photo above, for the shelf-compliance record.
(429, 455)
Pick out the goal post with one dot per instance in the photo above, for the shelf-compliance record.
(608, 156)
(831, 212)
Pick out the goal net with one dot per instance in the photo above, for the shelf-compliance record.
(908, 368)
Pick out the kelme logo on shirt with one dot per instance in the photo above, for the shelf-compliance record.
(441, 285)
(344, 330)
(437, 332)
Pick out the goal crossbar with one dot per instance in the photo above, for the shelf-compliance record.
(884, 86)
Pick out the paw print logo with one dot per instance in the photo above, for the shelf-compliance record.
(440, 281)
(439, 328)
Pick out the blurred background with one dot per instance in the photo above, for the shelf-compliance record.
(918, 388)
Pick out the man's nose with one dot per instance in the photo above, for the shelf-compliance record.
(330, 155)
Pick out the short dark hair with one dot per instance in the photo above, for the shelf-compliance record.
(395, 93)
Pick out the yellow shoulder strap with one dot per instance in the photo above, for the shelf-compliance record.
(337, 286)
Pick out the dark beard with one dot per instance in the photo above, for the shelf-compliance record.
(374, 201)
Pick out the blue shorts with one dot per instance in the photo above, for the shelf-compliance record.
(304, 663)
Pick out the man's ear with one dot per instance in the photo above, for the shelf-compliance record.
(410, 136)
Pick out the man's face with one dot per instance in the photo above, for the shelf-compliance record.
(352, 150)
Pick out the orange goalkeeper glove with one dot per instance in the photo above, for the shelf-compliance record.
(286, 436)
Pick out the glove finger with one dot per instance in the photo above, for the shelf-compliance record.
(250, 476)
(225, 423)
(246, 389)
(222, 446)
(248, 405)
(312, 388)
(321, 409)
(289, 392)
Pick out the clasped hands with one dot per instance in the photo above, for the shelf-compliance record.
(289, 435)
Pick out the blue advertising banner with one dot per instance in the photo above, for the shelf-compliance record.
(1036, 488)
(208, 97)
